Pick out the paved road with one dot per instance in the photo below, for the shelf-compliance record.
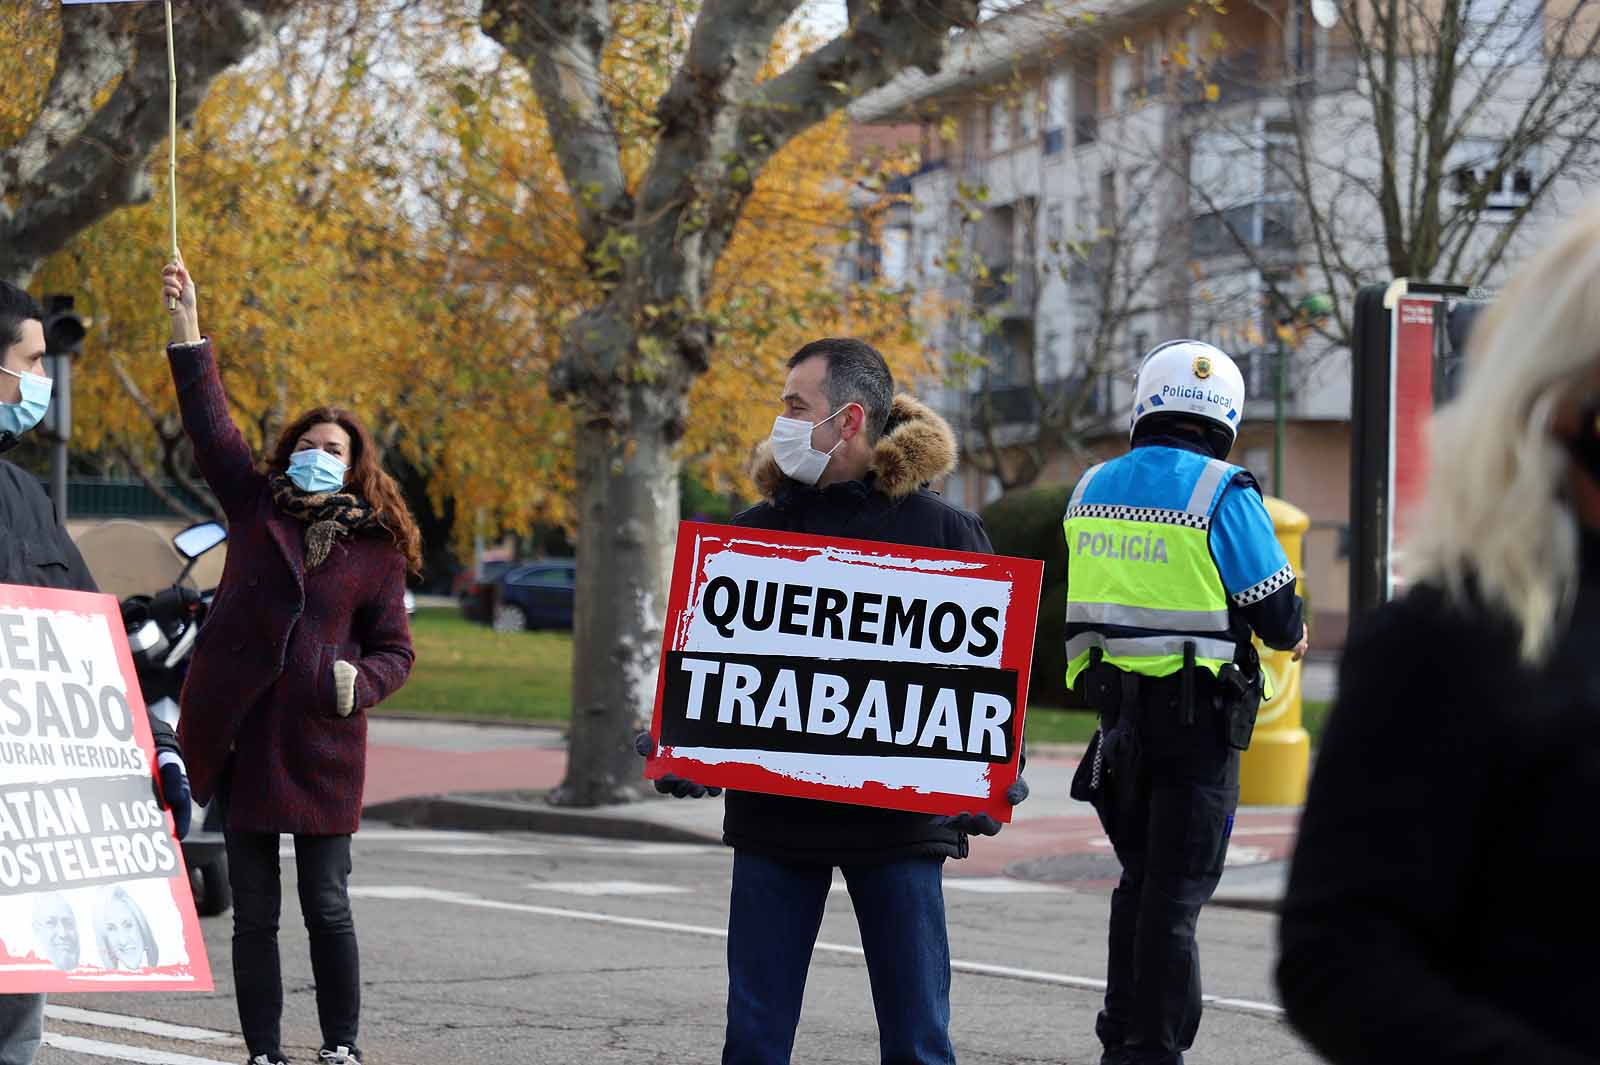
(562, 949)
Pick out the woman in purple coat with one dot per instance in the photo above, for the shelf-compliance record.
(307, 632)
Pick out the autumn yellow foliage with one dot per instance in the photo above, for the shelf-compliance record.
(356, 209)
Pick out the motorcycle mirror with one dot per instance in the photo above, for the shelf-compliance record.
(196, 540)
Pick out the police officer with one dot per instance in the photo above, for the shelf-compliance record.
(1172, 562)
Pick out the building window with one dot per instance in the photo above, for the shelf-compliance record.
(1122, 79)
(1086, 101)
(1473, 173)
(1055, 102)
(1028, 117)
(999, 126)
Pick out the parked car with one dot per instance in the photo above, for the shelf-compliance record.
(477, 596)
(537, 595)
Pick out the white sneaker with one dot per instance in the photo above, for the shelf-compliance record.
(339, 1056)
(262, 1059)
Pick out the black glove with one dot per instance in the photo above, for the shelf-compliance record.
(680, 788)
(983, 824)
(973, 824)
(677, 787)
(173, 793)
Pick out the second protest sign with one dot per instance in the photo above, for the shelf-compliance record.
(847, 670)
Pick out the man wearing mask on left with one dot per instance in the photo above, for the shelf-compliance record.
(36, 551)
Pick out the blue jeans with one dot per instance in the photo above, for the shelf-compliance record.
(773, 921)
(21, 1027)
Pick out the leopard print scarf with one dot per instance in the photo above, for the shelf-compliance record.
(327, 516)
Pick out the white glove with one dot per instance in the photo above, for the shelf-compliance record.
(344, 687)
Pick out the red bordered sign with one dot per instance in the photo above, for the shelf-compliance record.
(93, 891)
(846, 670)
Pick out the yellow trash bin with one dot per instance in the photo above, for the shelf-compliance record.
(1274, 770)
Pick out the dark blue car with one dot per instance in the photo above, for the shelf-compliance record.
(537, 595)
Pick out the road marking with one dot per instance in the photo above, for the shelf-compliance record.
(999, 885)
(649, 849)
(142, 1025)
(467, 850)
(607, 887)
(117, 1052)
(406, 893)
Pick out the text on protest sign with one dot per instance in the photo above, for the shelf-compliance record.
(846, 670)
(93, 891)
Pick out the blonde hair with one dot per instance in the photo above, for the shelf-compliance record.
(1496, 513)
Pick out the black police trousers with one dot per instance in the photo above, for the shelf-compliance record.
(1167, 797)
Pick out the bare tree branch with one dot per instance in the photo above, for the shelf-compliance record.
(562, 42)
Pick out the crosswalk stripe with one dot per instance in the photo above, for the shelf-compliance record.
(607, 887)
(142, 1025)
(999, 885)
(94, 1048)
(408, 893)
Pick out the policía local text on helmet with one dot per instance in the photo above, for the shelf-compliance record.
(1195, 392)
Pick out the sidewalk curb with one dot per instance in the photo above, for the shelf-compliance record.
(464, 814)
(559, 728)
(1245, 902)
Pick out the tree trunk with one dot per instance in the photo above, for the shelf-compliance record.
(627, 493)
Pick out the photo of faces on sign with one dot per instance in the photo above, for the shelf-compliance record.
(128, 927)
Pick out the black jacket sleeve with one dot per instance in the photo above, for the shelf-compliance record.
(1394, 828)
(165, 738)
(1279, 619)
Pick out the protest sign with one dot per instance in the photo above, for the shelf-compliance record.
(93, 891)
(846, 670)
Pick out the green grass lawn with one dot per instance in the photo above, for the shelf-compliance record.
(466, 669)
(1047, 724)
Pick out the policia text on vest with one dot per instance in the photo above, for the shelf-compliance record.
(846, 665)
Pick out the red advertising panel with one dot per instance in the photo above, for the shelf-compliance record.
(1410, 410)
(845, 670)
(93, 891)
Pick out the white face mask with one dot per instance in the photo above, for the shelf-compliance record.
(791, 447)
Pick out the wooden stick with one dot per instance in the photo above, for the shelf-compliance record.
(172, 140)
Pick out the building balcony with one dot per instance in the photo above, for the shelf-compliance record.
(1003, 405)
(1264, 224)
(1009, 290)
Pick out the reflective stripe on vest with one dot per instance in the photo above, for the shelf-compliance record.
(1147, 573)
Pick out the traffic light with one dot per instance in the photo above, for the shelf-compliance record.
(63, 329)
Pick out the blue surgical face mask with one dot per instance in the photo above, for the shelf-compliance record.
(316, 472)
(18, 418)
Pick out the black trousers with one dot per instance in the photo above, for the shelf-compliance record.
(1167, 799)
(322, 869)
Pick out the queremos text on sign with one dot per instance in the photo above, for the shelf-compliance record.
(845, 670)
(93, 891)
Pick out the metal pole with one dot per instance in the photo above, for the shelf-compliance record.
(1280, 389)
(58, 461)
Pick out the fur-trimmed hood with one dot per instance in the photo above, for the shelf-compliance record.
(917, 446)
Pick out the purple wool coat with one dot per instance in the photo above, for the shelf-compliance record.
(260, 689)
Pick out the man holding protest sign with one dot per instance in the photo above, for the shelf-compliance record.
(36, 552)
(906, 698)
(1172, 562)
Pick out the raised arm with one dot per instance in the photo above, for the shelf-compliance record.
(224, 458)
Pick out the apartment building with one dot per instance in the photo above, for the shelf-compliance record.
(1093, 178)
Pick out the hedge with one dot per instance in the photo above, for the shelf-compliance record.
(1027, 524)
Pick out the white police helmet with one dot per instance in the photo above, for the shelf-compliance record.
(1191, 378)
